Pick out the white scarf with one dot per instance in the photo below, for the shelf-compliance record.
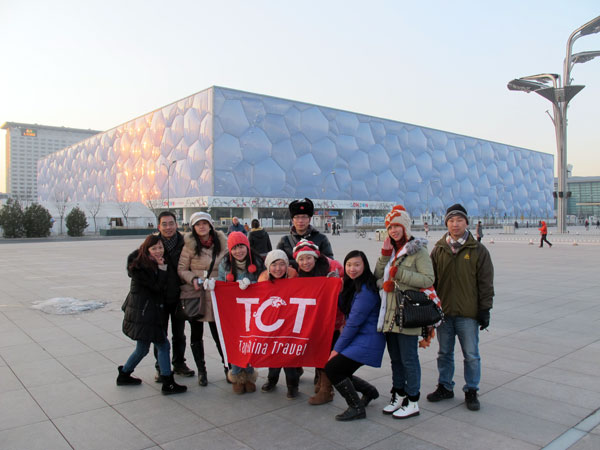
(382, 293)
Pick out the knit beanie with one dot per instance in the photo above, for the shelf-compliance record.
(200, 215)
(400, 216)
(456, 210)
(237, 238)
(306, 247)
(274, 255)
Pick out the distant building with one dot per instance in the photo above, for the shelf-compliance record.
(26, 143)
(584, 201)
(244, 154)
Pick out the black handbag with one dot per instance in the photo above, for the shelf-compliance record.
(193, 308)
(415, 309)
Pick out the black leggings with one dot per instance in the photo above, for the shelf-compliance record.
(544, 239)
(339, 367)
(197, 335)
(291, 375)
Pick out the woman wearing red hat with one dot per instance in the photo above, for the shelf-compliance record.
(202, 252)
(404, 264)
(243, 265)
(311, 263)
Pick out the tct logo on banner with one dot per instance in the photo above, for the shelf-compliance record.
(285, 323)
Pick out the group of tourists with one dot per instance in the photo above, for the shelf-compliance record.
(169, 267)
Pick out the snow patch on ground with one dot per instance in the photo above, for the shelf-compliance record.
(66, 305)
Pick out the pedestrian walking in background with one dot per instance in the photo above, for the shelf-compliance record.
(236, 226)
(479, 231)
(544, 233)
(143, 308)
(359, 343)
(464, 281)
(259, 239)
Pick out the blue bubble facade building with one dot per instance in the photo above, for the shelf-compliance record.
(254, 151)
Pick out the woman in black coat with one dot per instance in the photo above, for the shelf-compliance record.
(259, 239)
(143, 313)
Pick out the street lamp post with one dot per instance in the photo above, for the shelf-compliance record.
(431, 181)
(560, 95)
(168, 166)
(321, 187)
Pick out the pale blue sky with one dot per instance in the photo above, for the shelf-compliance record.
(439, 64)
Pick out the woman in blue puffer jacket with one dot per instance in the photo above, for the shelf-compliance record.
(360, 343)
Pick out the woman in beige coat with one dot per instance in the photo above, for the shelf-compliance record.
(199, 262)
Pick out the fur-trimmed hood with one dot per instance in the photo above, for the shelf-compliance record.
(416, 244)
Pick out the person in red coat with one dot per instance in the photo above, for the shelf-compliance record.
(544, 232)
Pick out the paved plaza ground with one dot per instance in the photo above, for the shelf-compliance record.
(540, 385)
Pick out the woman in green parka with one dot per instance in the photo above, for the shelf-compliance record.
(404, 264)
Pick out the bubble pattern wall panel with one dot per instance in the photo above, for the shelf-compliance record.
(131, 162)
(271, 147)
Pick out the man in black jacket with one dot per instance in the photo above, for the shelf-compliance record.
(301, 212)
(173, 243)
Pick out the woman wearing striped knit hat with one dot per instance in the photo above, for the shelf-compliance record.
(312, 263)
(404, 264)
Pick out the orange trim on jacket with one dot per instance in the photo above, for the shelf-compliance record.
(264, 276)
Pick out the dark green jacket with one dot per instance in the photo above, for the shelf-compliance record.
(464, 281)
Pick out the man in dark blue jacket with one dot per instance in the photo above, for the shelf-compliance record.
(236, 226)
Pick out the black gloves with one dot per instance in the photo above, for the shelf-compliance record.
(483, 317)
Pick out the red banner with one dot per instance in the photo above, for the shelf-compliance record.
(285, 323)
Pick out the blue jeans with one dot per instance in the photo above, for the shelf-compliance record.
(142, 348)
(235, 370)
(467, 330)
(406, 369)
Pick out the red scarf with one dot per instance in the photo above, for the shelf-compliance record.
(208, 243)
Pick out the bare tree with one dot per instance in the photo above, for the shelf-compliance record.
(154, 205)
(125, 207)
(60, 201)
(94, 208)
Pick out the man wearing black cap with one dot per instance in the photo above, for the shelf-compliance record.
(301, 212)
(464, 281)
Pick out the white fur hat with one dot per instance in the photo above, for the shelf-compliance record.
(201, 215)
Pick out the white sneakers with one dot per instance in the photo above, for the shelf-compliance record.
(395, 403)
(406, 410)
